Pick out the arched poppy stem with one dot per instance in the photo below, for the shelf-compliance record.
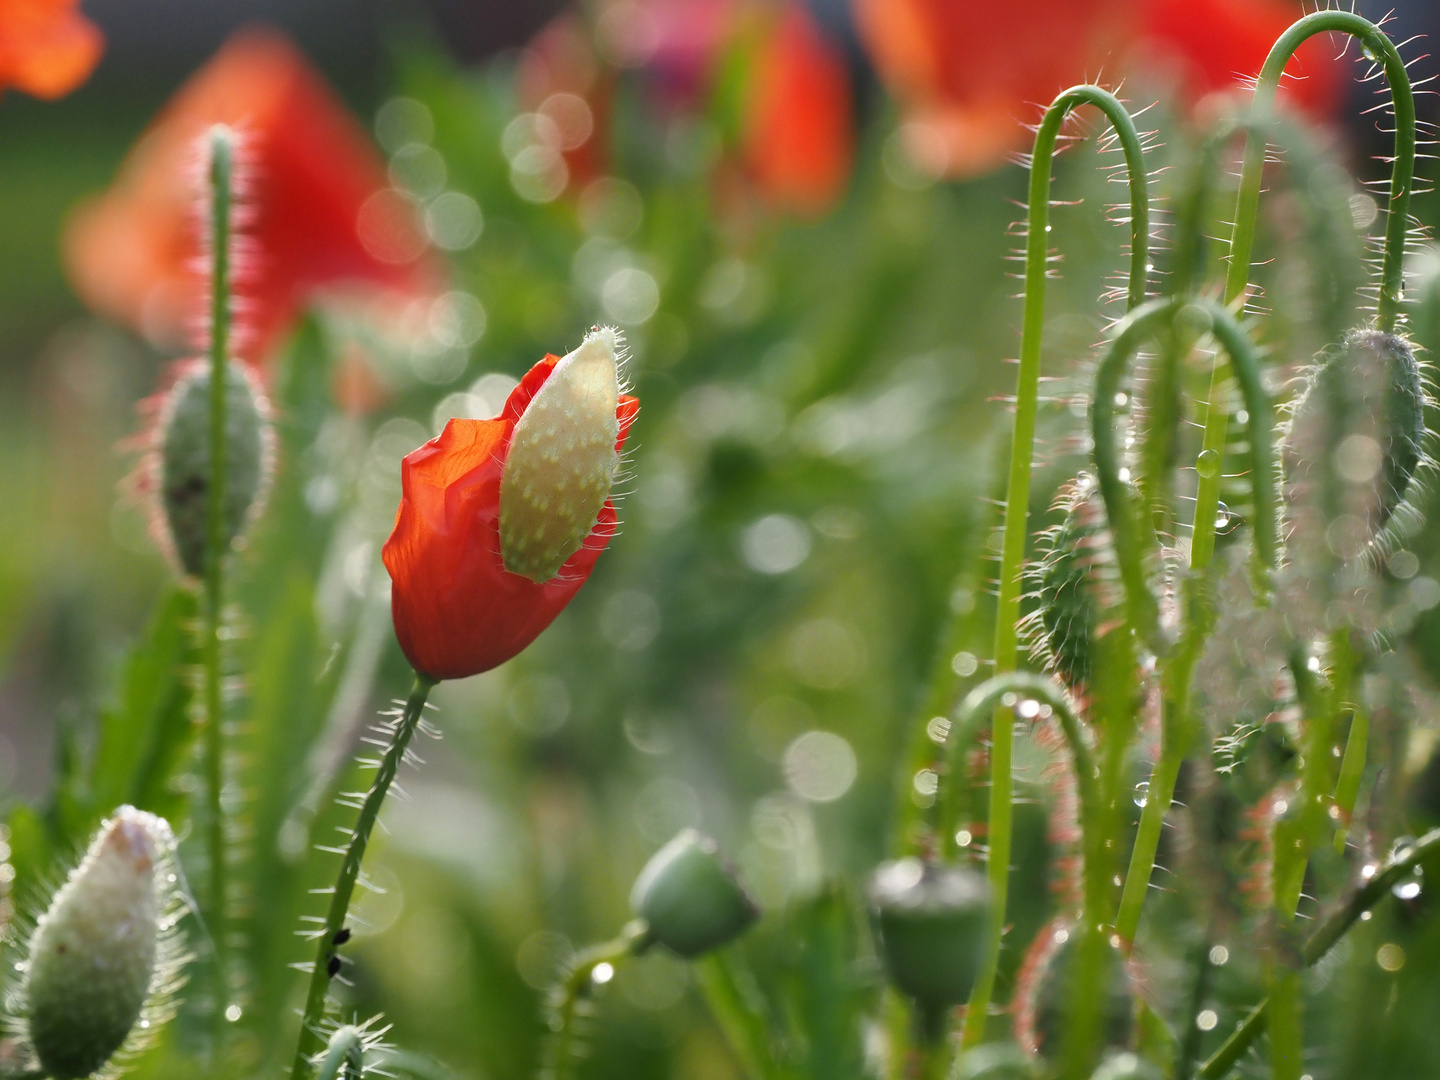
(1022, 448)
(221, 145)
(333, 934)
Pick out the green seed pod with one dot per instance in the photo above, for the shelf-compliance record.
(1363, 414)
(1077, 584)
(99, 952)
(690, 898)
(182, 466)
(932, 921)
(1047, 993)
(1126, 1066)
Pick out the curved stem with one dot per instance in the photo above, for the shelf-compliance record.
(221, 164)
(574, 988)
(1179, 665)
(1331, 930)
(1378, 45)
(1017, 495)
(401, 733)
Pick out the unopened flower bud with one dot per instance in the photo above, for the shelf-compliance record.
(1362, 415)
(183, 448)
(96, 952)
(562, 460)
(933, 921)
(690, 898)
(1079, 583)
(1049, 989)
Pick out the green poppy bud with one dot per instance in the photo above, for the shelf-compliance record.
(1048, 992)
(932, 921)
(182, 465)
(1363, 413)
(99, 952)
(690, 898)
(1078, 583)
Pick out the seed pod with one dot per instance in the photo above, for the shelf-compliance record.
(182, 446)
(98, 952)
(1077, 583)
(932, 921)
(1048, 992)
(1359, 425)
(690, 898)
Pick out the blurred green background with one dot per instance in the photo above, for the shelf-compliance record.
(801, 580)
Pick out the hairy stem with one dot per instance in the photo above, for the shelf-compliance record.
(222, 150)
(568, 997)
(1017, 495)
(400, 736)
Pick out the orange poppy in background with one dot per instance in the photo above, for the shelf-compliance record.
(1211, 46)
(47, 48)
(320, 217)
(970, 74)
(797, 138)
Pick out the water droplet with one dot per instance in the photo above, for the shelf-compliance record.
(1208, 464)
(1142, 793)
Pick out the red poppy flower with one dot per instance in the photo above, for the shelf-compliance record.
(1215, 45)
(797, 140)
(47, 48)
(501, 521)
(969, 74)
(321, 216)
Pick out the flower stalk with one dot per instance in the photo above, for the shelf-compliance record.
(326, 959)
(1017, 495)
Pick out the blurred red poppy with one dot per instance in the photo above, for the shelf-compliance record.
(969, 75)
(467, 592)
(1211, 46)
(797, 139)
(321, 217)
(47, 48)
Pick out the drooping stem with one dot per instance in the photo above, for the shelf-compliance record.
(568, 998)
(222, 150)
(1374, 888)
(1179, 664)
(1378, 46)
(402, 731)
(1017, 495)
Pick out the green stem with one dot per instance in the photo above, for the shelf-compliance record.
(733, 1002)
(575, 988)
(1376, 886)
(1017, 495)
(404, 729)
(1352, 766)
(344, 1055)
(222, 150)
(1379, 46)
(1131, 547)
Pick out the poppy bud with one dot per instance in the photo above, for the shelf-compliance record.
(1078, 580)
(932, 921)
(690, 898)
(501, 521)
(182, 463)
(1363, 414)
(99, 951)
(1048, 992)
(562, 460)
